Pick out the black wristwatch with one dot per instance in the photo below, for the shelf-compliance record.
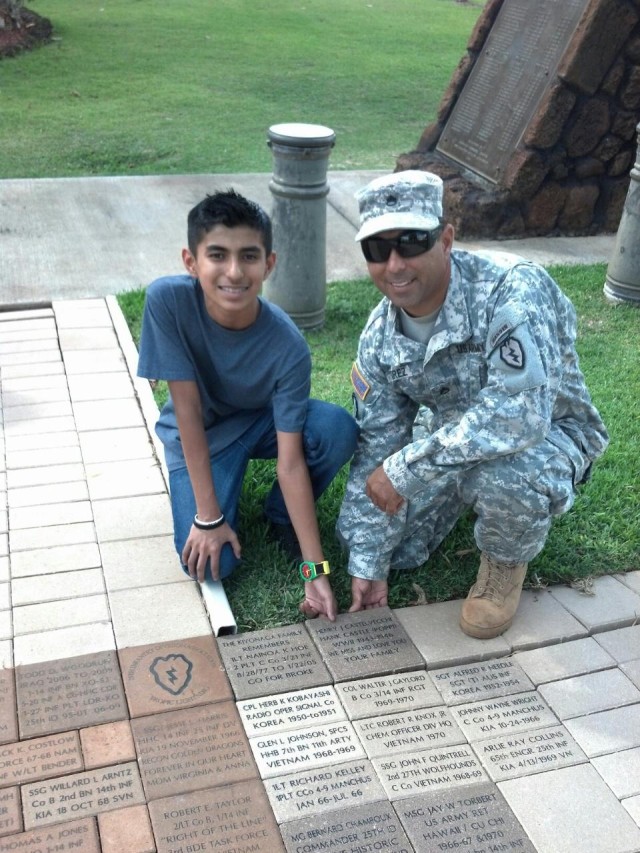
(310, 571)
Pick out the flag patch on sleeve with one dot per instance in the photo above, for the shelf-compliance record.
(360, 384)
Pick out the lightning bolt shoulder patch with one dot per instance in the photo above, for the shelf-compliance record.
(512, 353)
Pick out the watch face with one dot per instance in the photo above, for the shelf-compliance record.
(307, 571)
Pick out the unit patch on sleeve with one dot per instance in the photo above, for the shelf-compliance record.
(512, 354)
(360, 384)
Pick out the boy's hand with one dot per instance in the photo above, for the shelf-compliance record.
(203, 545)
(319, 600)
(366, 594)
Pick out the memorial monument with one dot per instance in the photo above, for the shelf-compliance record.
(535, 132)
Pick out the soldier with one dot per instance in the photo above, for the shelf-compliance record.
(468, 394)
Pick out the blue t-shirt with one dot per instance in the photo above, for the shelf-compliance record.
(239, 373)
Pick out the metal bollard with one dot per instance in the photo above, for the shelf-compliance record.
(299, 187)
(622, 283)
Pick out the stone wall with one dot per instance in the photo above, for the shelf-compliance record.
(569, 174)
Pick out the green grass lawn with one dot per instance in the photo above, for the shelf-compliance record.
(150, 87)
(600, 535)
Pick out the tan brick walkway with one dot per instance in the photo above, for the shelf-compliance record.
(126, 726)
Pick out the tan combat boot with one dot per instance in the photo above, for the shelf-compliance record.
(493, 600)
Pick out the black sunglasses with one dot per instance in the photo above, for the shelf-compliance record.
(409, 244)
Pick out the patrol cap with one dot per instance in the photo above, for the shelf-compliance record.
(411, 200)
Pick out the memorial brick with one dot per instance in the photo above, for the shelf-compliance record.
(361, 828)
(365, 644)
(324, 789)
(504, 714)
(476, 818)
(77, 836)
(429, 770)
(234, 818)
(81, 794)
(277, 660)
(69, 693)
(8, 717)
(10, 812)
(190, 749)
(477, 681)
(287, 711)
(388, 694)
(409, 731)
(40, 758)
(173, 675)
(529, 752)
(317, 746)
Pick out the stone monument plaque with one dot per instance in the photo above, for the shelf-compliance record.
(277, 660)
(506, 714)
(388, 694)
(408, 732)
(8, 718)
(429, 770)
(173, 675)
(322, 790)
(76, 836)
(10, 811)
(361, 828)
(190, 749)
(69, 693)
(81, 794)
(529, 752)
(287, 711)
(364, 644)
(282, 752)
(234, 818)
(40, 758)
(477, 819)
(517, 63)
(475, 681)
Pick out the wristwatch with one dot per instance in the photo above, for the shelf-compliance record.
(310, 571)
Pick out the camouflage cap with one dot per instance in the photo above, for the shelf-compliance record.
(410, 200)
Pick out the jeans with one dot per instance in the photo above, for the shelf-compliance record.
(328, 437)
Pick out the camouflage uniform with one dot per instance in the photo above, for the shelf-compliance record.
(493, 413)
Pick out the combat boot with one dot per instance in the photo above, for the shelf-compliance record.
(493, 600)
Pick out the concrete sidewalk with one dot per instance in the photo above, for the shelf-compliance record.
(83, 237)
(127, 726)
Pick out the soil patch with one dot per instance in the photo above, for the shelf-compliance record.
(21, 29)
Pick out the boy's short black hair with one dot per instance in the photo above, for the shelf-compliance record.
(230, 209)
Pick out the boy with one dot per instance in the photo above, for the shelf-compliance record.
(238, 372)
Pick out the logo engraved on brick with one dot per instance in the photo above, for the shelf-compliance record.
(172, 673)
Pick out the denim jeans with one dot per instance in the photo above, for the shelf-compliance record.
(328, 438)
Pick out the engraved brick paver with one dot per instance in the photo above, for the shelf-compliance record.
(480, 681)
(236, 817)
(475, 818)
(270, 661)
(388, 694)
(429, 770)
(513, 714)
(77, 836)
(287, 711)
(89, 793)
(10, 811)
(371, 642)
(191, 749)
(173, 675)
(409, 731)
(40, 758)
(296, 794)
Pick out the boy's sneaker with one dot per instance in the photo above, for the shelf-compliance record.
(493, 600)
(284, 535)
